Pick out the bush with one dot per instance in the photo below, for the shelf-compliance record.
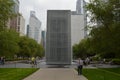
(116, 61)
(96, 58)
(108, 60)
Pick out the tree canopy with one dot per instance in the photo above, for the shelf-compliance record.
(104, 37)
(29, 47)
(9, 43)
(6, 11)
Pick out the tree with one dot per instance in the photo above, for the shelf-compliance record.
(24, 49)
(105, 37)
(102, 12)
(9, 43)
(29, 47)
(40, 51)
(6, 12)
(83, 49)
(76, 51)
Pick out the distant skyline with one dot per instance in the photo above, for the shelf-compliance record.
(41, 7)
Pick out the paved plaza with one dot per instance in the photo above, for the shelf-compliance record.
(55, 74)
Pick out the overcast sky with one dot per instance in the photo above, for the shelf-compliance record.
(41, 7)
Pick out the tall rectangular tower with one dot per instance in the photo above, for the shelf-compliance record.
(58, 38)
(81, 10)
(79, 7)
(77, 29)
(13, 22)
(34, 27)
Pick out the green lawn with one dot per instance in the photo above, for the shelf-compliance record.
(115, 70)
(15, 73)
(100, 74)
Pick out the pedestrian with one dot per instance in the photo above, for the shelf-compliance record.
(3, 59)
(104, 60)
(87, 61)
(0, 61)
(80, 66)
(33, 61)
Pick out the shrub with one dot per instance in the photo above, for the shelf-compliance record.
(116, 61)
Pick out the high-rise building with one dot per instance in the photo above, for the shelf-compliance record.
(34, 27)
(80, 6)
(16, 6)
(27, 30)
(43, 38)
(21, 25)
(17, 22)
(77, 29)
(58, 37)
(78, 22)
(81, 10)
(13, 22)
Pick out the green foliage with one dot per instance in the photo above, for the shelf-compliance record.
(29, 47)
(104, 38)
(15, 74)
(83, 49)
(6, 12)
(24, 49)
(9, 43)
(103, 11)
(12, 44)
(95, 58)
(76, 51)
(40, 51)
(106, 42)
(116, 61)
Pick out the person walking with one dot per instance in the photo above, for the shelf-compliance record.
(33, 61)
(2, 60)
(87, 61)
(80, 66)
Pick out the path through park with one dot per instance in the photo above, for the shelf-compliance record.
(55, 74)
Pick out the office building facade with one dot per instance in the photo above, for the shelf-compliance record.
(81, 10)
(13, 22)
(27, 30)
(80, 6)
(77, 29)
(21, 25)
(43, 38)
(58, 37)
(34, 27)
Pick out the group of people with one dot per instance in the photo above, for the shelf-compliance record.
(81, 63)
(2, 60)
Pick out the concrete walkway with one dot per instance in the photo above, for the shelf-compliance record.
(55, 74)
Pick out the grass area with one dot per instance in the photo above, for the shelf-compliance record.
(115, 70)
(100, 74)
(15, 73)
